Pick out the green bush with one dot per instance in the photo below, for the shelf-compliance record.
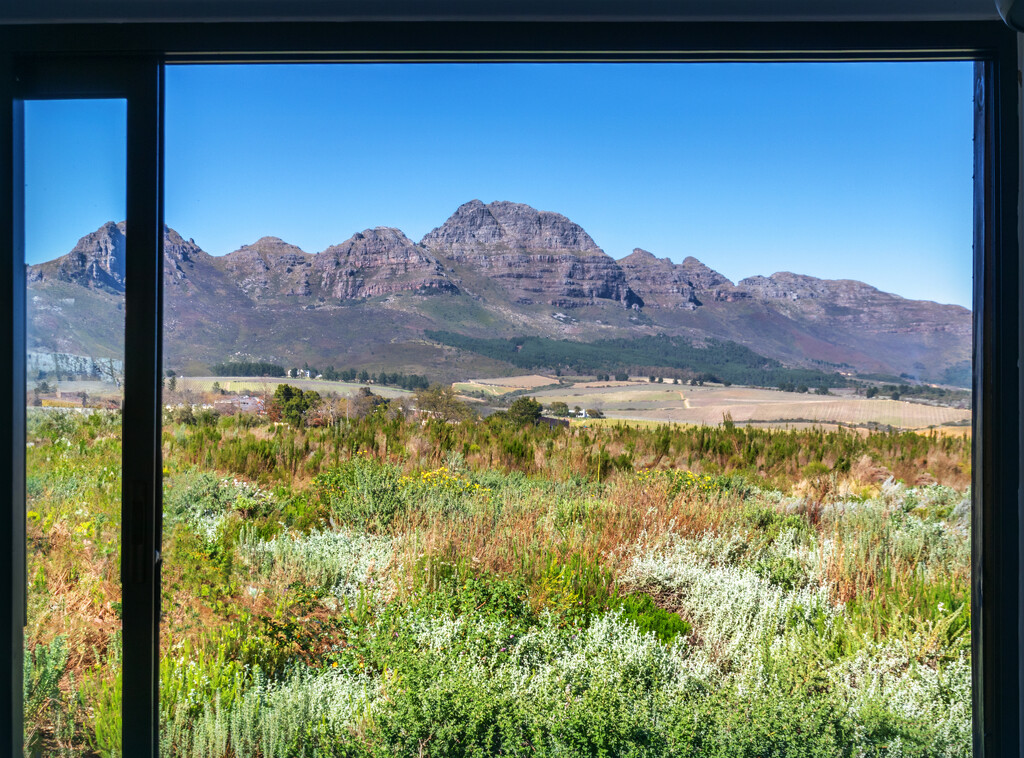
(648, 617)
(362, 492)
(51, 714)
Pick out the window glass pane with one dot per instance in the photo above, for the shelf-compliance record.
(568, 410)
(75, 233)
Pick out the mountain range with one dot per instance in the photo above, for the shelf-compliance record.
(501, 269)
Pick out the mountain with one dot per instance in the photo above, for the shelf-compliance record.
(490, 270)
(674, 285)
(96, 262)
(538, 257)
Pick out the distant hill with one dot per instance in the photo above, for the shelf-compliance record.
(490, 271)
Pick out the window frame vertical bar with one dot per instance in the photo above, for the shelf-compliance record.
(142, 413)
(997, 629)
(12, 412)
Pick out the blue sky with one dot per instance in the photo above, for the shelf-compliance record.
(858, 171)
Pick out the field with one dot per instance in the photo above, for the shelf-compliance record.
(635, 400)
(503, 385)
(747, 405)
(388, 586)
(268, 385)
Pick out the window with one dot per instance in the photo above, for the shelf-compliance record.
(995, 373)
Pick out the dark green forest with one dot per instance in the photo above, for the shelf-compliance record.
(713, 360)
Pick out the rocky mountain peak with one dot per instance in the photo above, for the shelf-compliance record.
(179, 250)
(641, 257)
(701, 276)
(378, 261)
(503, 225)
(96, 261)
(274, 246)
(664, 284)
(266, 248)
(538, 257)
(381, 240)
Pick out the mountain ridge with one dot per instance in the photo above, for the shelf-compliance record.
(496, 269)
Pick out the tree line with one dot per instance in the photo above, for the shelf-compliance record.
(260, 368)
(247, 368)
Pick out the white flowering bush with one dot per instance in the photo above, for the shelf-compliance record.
(307, 713)
(736, 611)
(339, 562)
(203, 502)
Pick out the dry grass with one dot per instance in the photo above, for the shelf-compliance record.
(527, 539)
(528, 382)
(74, 587)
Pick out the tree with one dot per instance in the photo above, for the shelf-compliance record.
(622, 376)
(441, 402)
(559, 409)
(871, 392)
(366, 402)
(292, 403)
(524, 411)
(595, 413)
(216, 389)
(172, 383)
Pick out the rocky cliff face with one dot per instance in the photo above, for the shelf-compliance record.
(96, 262)
(499, 226)
(269, 269)
(687, 285)
(852, 304)
(181, 258)
(371, 263)
(376, 262)
(539, 257)
(663, 284)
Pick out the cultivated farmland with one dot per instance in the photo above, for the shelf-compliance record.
(710, 404)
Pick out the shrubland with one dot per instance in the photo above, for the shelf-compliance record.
(386, 586)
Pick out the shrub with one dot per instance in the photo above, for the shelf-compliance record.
(362, 492)
(648, 617)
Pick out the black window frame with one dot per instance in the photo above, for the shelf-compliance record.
(128, 60)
